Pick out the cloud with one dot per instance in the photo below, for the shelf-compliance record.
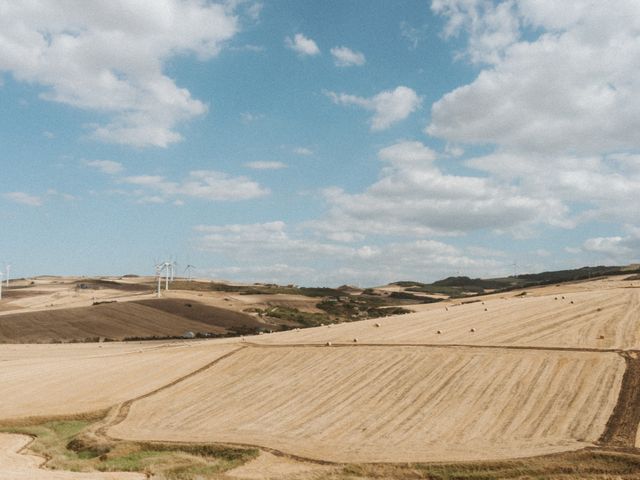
(105, 166)
(52, 192)
(618, 249)
(389, 106)
(271, 252)
(248, 48)
(302, 45)
(490, 27)
(24, 198)
(248, 117)
(262, 165)
(202, 184)
(412, 34)
(109, 59)
(345, 57)
(575, 88)
(556, 100)
(413, 196)
(599, 187)
(303, 151)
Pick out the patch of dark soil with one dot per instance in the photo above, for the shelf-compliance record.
(206, 314)
(622, 427)
(93, 284)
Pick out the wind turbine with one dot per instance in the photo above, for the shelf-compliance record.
(174, 265)
(188, 270)
(167, 273)
(159, 267)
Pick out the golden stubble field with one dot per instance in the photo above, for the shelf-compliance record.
(507, 376)
(376, 404)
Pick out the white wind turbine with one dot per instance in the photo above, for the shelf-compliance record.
(159, 267)
(167, 266)
(173, 265)
(188, 271)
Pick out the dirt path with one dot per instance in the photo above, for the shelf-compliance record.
(443, 345)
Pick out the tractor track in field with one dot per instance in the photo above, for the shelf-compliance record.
(619, 351)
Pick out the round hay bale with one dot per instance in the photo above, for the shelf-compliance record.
(376, 324)
(571, 301)
(485, 310)
(473, 330)
(439, 332)
(328, 344)
(355, 340)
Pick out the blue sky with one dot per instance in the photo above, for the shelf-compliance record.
(318, 143)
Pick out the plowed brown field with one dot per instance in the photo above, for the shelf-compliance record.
(144, 318)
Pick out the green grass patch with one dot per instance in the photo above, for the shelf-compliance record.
(63, 445)
(290, 314)
(360, 307)
(258, 289)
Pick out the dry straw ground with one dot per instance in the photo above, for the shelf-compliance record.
(540, 373)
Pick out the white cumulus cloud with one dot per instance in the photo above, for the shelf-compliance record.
(202, 184)
(24, 198)
(108, 57)
(389, 106)
(345, 57)
(303, 151)
(265, 165)
(574, 88)
(272, 251)
(413, 196)
(302, 45)
(105, 166)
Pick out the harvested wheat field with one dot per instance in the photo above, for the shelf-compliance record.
(380, 404)
(508, 376)
(64, 380)
(600, 317)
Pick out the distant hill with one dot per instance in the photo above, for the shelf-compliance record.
(464, 286)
